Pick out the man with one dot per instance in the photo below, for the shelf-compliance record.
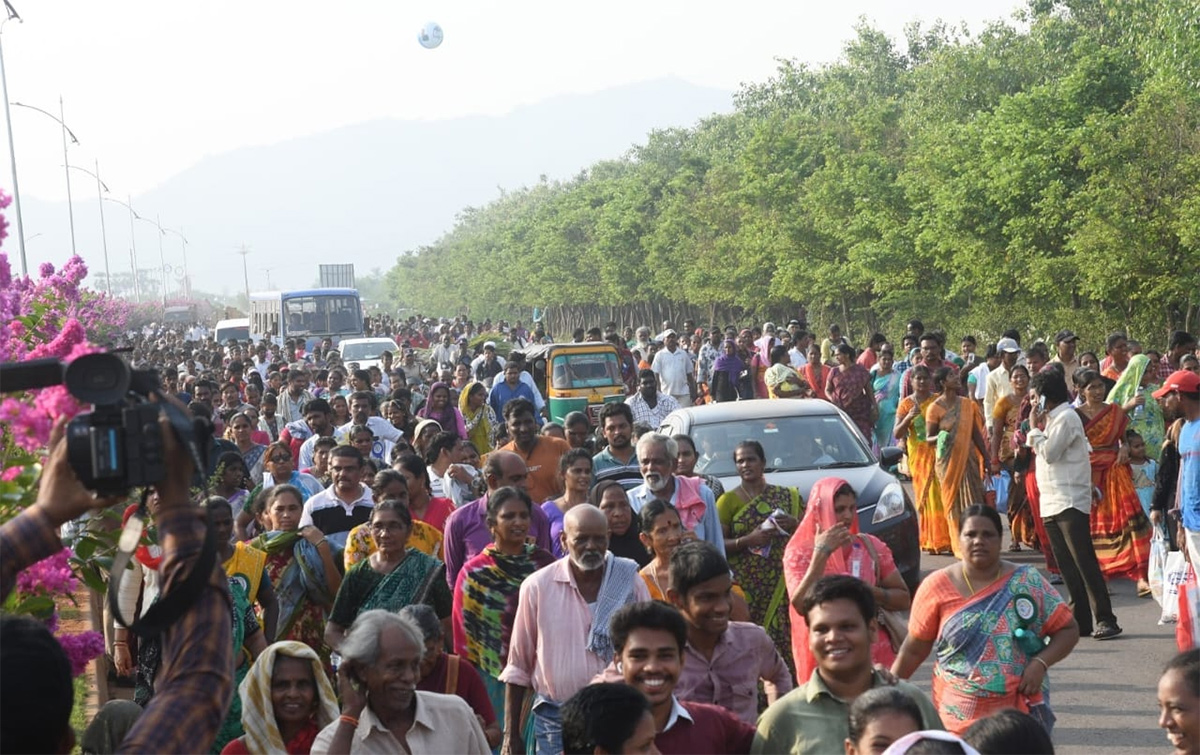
(648, 405)
(641, 343)
(656, 455)
(382, 710)
(539, 452)
(1064, 477)
(560, 638)
(840, 611)
(797, 355)
(444, 352)
(262, 362)
(509, 389)
(1180, 394)
(829, 345)
(1181, 343)
(364, 411)
(1065, 343)
(977, 378)
(649, 640)
(292, 401)
(932, 355)
(539, 403)
(908, 345)
(194, 682)
(1037, 357)
(467, 531)
(346, 503)
(618, 461)
(709, 351)
(318, 416)
(488, 365)
(674, 369)
(998, 383)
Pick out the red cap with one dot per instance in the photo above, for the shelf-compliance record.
(1183, 381)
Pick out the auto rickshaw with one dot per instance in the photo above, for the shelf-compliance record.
(576, 377)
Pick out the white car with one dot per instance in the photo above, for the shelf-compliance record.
(366, 351)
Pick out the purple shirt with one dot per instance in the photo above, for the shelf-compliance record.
(467, 534)
(557, 519)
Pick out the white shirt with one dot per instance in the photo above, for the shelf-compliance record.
(673, 368)
(1063, 469)
(383, 430)
(442, 724)
(980, 374)
(799, 361)
(998, 387)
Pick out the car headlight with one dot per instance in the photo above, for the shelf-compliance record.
(890, 503)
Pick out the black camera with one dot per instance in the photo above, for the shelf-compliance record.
(118, 445)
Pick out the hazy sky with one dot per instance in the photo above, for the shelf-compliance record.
(152, 86)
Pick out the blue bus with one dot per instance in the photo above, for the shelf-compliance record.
(312, 314)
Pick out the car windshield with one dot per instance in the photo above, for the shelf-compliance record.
(790, 443)
(366, 350)
(583, 370)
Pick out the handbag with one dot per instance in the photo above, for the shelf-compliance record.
(891, 621)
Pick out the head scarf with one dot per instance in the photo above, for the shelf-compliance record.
(479, 416)
(444, 417)
(731, 364)
(902, 745)
(1150, 424)
(258, 715)
(819, 515)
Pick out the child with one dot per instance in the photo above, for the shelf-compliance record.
(268, 422)
(1144, 469)
(320, 467)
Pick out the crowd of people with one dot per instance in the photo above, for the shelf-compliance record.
(418, 558)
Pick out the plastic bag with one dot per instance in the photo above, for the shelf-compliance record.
(1158, 562)
(1002, 483)
(1174, 575)
(1187, 630)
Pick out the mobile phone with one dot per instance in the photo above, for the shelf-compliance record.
(1041, 404)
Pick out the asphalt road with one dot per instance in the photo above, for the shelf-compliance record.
(1103, 693)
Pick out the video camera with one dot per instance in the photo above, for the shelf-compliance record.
(117, 446)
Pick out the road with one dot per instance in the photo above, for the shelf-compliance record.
(1104, 693)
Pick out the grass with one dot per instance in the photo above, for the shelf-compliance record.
(79, 713)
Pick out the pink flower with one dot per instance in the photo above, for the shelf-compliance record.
(81, 648)
(11, 474)
(45, 269)
(50, 576)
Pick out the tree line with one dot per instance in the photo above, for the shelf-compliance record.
(1042, 173)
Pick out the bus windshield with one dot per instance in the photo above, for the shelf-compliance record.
(322, 315)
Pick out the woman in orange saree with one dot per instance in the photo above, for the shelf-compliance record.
(954, 426)
(910, 428)
(1120, 529)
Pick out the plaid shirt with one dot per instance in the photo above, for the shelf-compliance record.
(652, 417)
(195, 681)
(1164, 369)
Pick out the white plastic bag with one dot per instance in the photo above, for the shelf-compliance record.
(1158, 562)
(1174, 575)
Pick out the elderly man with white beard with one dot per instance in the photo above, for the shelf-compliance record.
(697, 507)
(562, 608)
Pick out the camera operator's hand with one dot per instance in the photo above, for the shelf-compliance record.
(176, 485)
(60, 494)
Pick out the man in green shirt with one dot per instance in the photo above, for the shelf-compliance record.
(840, 611)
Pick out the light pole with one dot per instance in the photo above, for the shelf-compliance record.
(12, 151)
(66, 131)
(267, 270)
(137, 289)
(245, 252)
(187, 281)
(100, 200)
(162, 261)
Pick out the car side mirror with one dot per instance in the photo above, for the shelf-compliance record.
(890, 456)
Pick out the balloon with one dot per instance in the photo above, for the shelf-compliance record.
(431, 36)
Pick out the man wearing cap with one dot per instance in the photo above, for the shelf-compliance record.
(1180, 395)
(674, 369)
(998, 384)
(1064, 345)
(487, 366)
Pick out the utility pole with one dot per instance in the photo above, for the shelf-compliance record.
(245, 252)
(103, 233)
(12, 150)
(67, 169)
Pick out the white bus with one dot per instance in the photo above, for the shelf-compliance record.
(311, 314)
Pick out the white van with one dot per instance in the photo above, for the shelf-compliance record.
(238, 329)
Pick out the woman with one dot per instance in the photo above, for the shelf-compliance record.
(424, 506)
(479, 419)
(239, 430)
(1120, 529)
(685, 464)
(885, 382)
(391, 578)
(363, 438)
(662, 532)
(756, 518)
(575, 475)
(439, 408)
(244, 569)
(815, 373)
(848, 387)
(954, 426)
(257, 435)
(399, 415)
(301, 567)
(229, 480)
(424, 433)
(485, 593)
(280, 470)
(623, 537)
(288, 677)
(783, 381)
(910, 425)
(1179, 701)
(970, 613)
(1132, 393)
(424, 537)
(828, 542)
(879, 717)
(341, 410)
(726, 371)
(141, 586)
(1007, 456)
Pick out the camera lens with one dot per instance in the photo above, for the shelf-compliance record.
(98, 379)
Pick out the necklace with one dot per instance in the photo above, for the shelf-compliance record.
(968, 579)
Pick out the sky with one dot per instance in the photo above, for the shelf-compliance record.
(151, 87)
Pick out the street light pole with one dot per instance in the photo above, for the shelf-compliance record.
(70, 210)
(187, 281)
(137, 289)
(245, 273)
(12, 151)
(101, 187)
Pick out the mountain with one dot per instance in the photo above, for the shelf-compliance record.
(363, 193)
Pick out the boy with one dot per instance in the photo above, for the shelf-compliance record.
(320, 467)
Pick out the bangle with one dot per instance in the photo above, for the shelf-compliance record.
(825, 549)
(348, 720)
(120, 644)
(320, 542)
(1044, 664)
